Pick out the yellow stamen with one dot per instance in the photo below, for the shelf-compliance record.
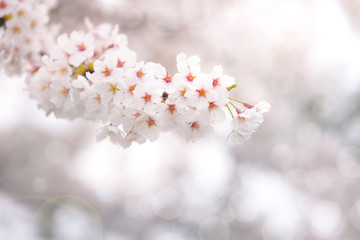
(17, 29)
(150, 122)
(215, 82)
(147, 97)
(33, 24)
(202, 92)
(64, 91)
(132, 88)
(182, 92)
(190, 77)
(212, 106)
(120, 63)
(140, 74)
(195, 126)
(171, 108)
(113, 88)
(168, 78)
(106, 72)
(98, 98)
(63, 70)
(21, 12)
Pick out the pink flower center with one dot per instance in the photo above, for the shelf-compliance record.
(81, 47)
(120, 63)
(34, 68)
(168, 78)
(195, 126)
(150, 122)
(137, 115)
(202, 92)
(147, 98)
(140, 74)
(190, 77)
(212, 105)
(215, 82)
(171, 108)
(107, 71)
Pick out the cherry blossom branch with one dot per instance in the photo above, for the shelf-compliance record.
(94, 75)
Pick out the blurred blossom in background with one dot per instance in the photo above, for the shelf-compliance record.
(298, 177)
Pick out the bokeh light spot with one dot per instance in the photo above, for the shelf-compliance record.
(325, 219)
(214, 228)
(167, 204)
(67, 217)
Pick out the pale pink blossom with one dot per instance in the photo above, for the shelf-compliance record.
(78, 47)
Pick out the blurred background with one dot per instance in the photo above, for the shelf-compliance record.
(297, 178)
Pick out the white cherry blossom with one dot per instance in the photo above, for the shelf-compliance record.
(221, 82)
(201, 92)
(78, 47)
(95, 106)
(114, 133)
(248, 121)
(110, 91)
(189, 68)
(164, 80)
(198, 128)
(146, 98)
(125, 58)
(148, 126)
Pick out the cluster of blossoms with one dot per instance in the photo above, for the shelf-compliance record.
(24, 34)
(94, 75)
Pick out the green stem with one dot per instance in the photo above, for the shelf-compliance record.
(233, 99)
(233, 105)
(231, 87)
(232, 115)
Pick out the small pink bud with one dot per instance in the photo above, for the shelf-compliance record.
(238, 111)
(248, 105)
